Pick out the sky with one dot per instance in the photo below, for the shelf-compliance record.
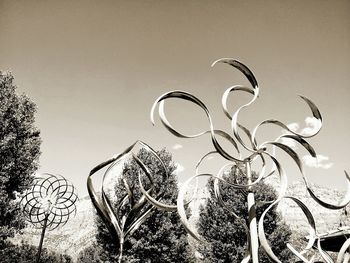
(94, 69)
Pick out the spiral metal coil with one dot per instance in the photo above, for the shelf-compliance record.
(52, 199)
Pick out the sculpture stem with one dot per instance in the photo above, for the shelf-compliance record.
(121, 247)
(254, 240)
(42, 239)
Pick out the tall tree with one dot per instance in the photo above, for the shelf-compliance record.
(226, 236)
(161, 238)
(19, 153)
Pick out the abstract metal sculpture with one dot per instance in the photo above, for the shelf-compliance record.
(124, 215)
(49, 204)
(264, 151)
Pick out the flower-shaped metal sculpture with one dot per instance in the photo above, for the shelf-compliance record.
(264, 152)
(49, 203)
(124, 214)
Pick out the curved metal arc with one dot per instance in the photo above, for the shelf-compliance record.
(314, 110)
(282, 176)
(104, 214)
(346, 199)
(241, 67)
(129, 223)
(181, 207)
(289, 151)
(63, 189)
(343, 250)
(235, 125)
(113, 218)
(218, 196)
(296, 138)
(136, 224)
(48, 178)
(34, 209)
(73, 197)
(227, 93)
(301, 141)
(27, 203)
(264, 243)
(298, 254)
(201, 160)
(234, 120)
(58, 181)
(239, 186)
(343, 203)
(149, 198)
(42, 185)
(323, 253)
(181, 204)
(189, 97)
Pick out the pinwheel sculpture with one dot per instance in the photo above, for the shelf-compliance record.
(123, 215)
(49, 204)
(254, 151)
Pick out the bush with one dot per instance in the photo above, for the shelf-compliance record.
(25, 253)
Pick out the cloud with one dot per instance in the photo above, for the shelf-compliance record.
(320, 162)
(179, 168)
(312, 126)
(294, 126)
(177, 146)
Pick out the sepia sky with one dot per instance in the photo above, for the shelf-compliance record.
(94, 69)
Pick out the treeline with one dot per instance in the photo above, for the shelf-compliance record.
(161, 238)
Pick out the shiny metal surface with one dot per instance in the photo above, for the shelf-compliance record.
(262, 151)
(49, 204)
(122, 225)
(51, 198)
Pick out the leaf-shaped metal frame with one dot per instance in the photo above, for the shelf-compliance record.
(255, 150)
(122, 228)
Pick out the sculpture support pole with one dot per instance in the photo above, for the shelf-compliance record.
(121, 242)
(42, 239)
(254, 241)
(121, 247)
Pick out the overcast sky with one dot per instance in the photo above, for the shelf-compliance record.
(94, 69)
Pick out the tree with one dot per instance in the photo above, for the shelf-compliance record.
(226, 235)
(161, 238)
(19, 153)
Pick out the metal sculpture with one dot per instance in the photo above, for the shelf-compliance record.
(124, 215)
(49, 204)
(264, 151)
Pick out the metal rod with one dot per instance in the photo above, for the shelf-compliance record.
(121, 242)
(121, 247)
(42, 239)
(254, 240)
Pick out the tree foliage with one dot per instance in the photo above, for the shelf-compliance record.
(161, 238)
(25, 253)
(227, 235)
(19, 153)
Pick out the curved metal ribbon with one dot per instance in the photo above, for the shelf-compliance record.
(312, 235)
(254, 150)
(343, 250)
(189, 97)
(122, 226)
